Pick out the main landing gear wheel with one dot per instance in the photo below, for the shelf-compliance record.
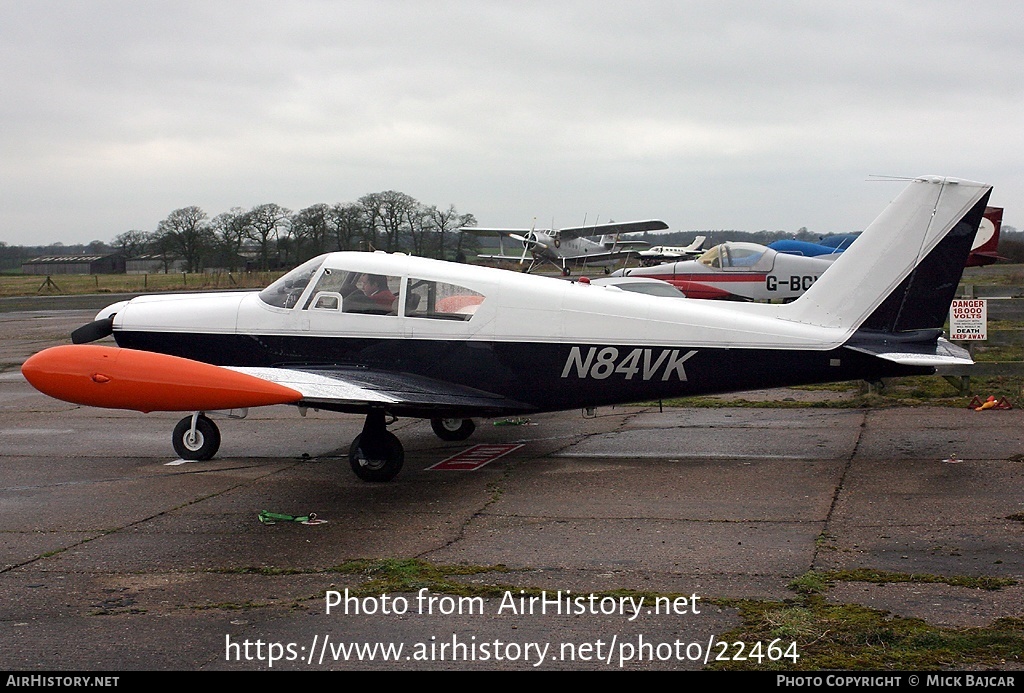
(376, 454)
(453, 429)
(377, 457)
(201, 444)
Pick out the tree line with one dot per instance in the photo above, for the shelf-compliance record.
(269, 236)
(275, 236)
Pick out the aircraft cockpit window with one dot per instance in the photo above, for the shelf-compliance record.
(712, 258)
(286, 291)
(327, 300)
(742, 258)
(355, 292)
(441, 300)
(737, 256)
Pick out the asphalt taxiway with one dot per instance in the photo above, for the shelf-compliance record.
(117, 556)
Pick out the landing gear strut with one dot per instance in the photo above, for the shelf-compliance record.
(376, 454)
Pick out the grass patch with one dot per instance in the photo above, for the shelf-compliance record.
(73, 284)
(881, 577)
(852, 637)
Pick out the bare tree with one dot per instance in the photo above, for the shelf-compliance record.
(347, 225)
(419, 225)
(230, 230)
(264, 227)
(388, 213)
(446, 223)
(131, 243)
(310, 231)
(186, 232)
(161, 246)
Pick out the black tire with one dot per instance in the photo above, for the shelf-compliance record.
(453, 429)
(378, 458)
(203, 446)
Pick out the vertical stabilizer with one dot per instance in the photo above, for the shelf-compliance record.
(903, 271)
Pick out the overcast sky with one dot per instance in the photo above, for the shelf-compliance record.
(709, 115)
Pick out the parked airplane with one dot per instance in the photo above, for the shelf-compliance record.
(828, 246)
(566, 248)
(666, 253)
(462, 341)
(986, 243)
(739, 271)
(983, 252)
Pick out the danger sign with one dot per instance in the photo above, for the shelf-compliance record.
(968, 319)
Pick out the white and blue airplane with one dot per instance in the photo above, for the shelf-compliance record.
(450, 342)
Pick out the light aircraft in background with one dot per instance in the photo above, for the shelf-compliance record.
(668, 253)
(739, 271)
(983, 251)
(986, 243)
(567, 248)
(458, 341)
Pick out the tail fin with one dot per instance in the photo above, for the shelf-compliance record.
(903, 271)
(986, 243)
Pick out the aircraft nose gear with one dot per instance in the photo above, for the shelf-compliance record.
(196, 438)
(376, 454)
(453, 429)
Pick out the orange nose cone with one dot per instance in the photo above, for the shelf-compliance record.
(114, 378)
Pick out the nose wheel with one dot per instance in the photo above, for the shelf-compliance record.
(196, 438)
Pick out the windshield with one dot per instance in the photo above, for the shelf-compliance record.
(737, 256)
(285, 292)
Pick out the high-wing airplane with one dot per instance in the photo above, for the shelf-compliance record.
(739, 271)
(668, 253)
(459, 341)
(569, 247)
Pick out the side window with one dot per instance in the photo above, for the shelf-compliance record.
(326, 300)
(355, 292)
(440, 300)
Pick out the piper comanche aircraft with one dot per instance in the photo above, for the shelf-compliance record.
(449, 342)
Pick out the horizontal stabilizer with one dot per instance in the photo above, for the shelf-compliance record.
(942, 353)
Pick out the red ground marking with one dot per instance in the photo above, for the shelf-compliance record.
(475, 457)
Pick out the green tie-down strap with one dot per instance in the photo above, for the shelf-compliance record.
(269, 518)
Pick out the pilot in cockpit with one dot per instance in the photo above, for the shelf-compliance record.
(367, 293)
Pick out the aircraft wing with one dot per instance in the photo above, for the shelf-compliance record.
(627, 245)
(598, 256)
(121, 378)
(485, 231)
(613, 228)
(505, 258)
(356, 389)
